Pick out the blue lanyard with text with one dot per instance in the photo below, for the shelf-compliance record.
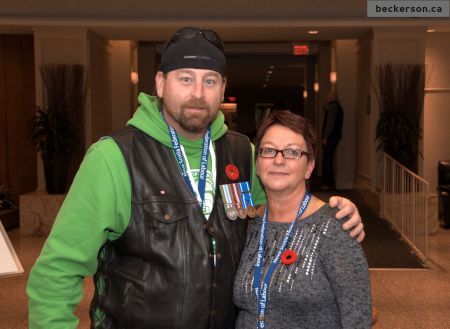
(203, 162)
(262, 298)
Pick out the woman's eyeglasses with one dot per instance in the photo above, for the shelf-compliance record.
(270, 152)
(190, 32)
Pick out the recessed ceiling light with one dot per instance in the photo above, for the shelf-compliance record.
(431, 30)
(264, 86)
(272, 67)
(313, 32)
(269, 72)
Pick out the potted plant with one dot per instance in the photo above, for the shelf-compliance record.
(401, 96)
(54, 127)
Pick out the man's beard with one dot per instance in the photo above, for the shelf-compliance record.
(194, 123)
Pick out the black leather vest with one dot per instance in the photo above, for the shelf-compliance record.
(160, 273)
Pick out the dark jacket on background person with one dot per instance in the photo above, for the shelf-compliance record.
(332, 123)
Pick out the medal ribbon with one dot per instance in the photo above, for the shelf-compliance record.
(236, 193)
(246, 194)
(262, 298)
(201, 185)
(226, 194)
(242, 193)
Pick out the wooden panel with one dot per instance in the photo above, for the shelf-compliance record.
(20, 107)
(3, 149)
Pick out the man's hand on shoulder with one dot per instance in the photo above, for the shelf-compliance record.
(348, 208)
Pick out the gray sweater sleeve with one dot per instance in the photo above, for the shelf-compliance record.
(347, 270)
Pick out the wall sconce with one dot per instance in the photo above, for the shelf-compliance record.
(316, 87)
(134, 78)
(333, 77)
(305, 94)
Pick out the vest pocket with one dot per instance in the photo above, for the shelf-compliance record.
(166, 211)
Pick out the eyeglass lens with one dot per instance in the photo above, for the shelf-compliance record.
(269, 152)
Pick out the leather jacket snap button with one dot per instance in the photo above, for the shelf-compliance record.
(167, 217)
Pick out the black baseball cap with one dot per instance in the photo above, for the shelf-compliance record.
(196, 48)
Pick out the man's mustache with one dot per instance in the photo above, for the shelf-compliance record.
(196, 104)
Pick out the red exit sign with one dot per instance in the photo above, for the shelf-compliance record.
(300, 50)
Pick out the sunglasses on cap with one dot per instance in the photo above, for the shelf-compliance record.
(191, 32)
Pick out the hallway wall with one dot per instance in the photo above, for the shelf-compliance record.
(346, 58)
(436, 132)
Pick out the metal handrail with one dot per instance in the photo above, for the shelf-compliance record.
(404, 204)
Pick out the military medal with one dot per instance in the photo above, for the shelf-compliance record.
(241, 211)
(251, 211)
(232, 213)
(230, 209)
(247, 199)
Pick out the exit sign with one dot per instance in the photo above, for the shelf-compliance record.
(300, 50)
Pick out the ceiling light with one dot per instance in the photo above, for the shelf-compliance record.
(272, 67)
(313, 32)
(316, 87)
(269, 72)
(431, 30)
(264, 86)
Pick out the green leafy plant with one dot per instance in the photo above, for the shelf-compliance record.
(401, 95)
(52, 131)
(57, 128)
(52, 128)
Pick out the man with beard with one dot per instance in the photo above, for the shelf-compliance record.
(144, 214)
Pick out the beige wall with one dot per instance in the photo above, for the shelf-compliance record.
(100, 111)
(436, 128)
(346, 89)
(122, 90)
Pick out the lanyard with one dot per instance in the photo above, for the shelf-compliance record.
(191, 178)
(262, 297)
(199, 191)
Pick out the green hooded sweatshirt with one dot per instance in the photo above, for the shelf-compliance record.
(97, 208)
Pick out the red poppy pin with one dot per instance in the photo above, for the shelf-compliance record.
(232, 172)
(288, 257)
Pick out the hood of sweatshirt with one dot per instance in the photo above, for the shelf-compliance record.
(148, 119)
